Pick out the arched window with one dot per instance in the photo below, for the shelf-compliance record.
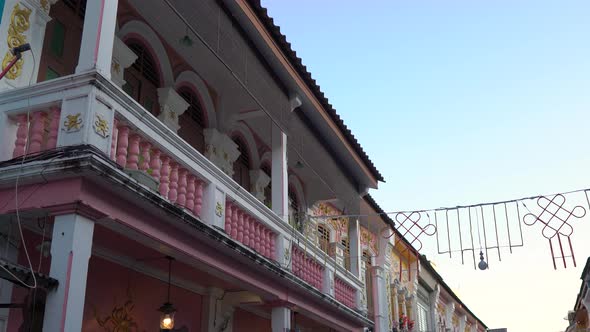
(192, 121)
(142, 79)
(242, 165)
(268, 190)
(324, 237)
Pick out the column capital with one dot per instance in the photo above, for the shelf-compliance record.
(172, 106)
(221, 150)
(123, 57)
(258, 182)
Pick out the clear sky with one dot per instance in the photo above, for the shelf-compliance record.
(462, 102)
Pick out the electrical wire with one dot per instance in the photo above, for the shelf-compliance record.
(17, 208)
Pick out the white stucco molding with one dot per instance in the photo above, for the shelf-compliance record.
(139, 30)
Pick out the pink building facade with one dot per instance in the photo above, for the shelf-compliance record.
(178, 151)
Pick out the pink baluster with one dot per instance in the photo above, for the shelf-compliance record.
(190, 193)
(54, 129)
(198, 197)
(263, 234)
(173, 193)
(257, 238)
(253, 223)
(144, 149)
(228, 212)
(247, 221)
(164, 176)
(113, 138)
(240, 235)
(234, 222)
(156, 163)
(133, 154)
(37, 131)
(181, 200)
(122, 145)
(21, 136)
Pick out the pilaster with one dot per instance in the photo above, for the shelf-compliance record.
(280, 185)
(379, 303)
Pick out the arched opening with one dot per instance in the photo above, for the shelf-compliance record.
(324, 237)
(192, 121)
(142, 78)
(242, 164)
(63, 36)
(295, 215)
(268, 190)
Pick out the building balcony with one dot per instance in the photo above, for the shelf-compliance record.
(89, 109)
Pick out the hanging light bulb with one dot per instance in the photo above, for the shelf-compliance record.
(186, 40)
(482, 263)
(167, 309)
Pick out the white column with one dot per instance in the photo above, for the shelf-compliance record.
(98, 35)
(379, 302)
(281, 319)
(71, 246)
(280, 184)
(354, 239)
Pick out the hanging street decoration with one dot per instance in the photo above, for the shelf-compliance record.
(554, 218)
(494, 227)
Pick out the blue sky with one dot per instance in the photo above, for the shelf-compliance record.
(462, 102)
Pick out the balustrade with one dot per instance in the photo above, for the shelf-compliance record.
(344, 293)
(246, 229)
(306, 268)
(36, 131)
(176, 183)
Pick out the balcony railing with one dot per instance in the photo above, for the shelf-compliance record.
(142, 144)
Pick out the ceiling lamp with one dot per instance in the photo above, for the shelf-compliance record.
(167, 309)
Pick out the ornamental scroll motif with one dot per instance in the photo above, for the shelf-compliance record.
(19, 24)
(368, 239)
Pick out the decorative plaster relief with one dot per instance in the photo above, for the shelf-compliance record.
(19, 24)
(172, 105)
(73, 123)
(101, 126)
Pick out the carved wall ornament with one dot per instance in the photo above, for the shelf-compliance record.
(218, 209)
(101, 126)
(287, 254)
(19, 24)
(73, 123)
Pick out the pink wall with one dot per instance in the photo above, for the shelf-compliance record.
(109, 285)
(245, 321)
